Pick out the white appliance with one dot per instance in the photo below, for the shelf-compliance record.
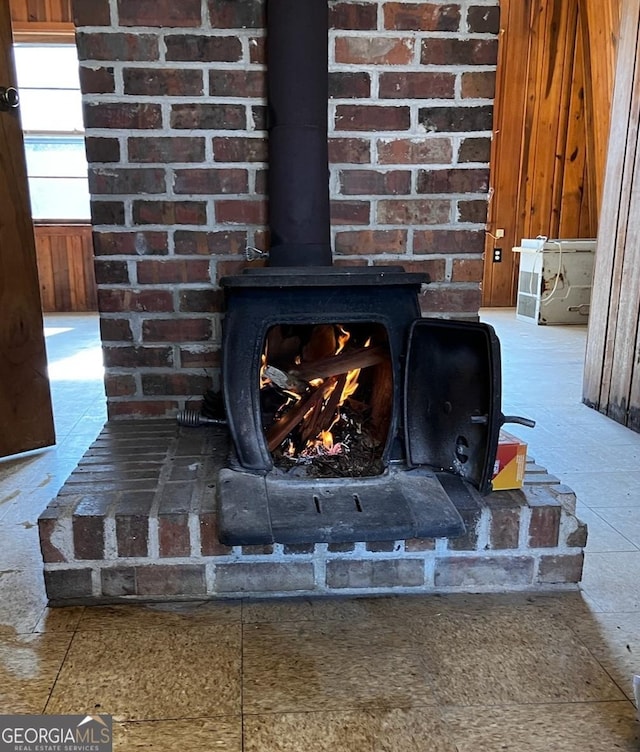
(555, 279)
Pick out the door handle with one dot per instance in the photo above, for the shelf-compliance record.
(9, 98)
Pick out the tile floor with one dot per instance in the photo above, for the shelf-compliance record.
(463, 673)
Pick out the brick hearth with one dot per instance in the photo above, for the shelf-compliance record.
(136, 521)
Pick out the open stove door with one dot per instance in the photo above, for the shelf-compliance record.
(452, 398)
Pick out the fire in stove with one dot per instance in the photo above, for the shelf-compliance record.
(324, 395)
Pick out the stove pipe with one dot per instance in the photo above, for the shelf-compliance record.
(298, 92)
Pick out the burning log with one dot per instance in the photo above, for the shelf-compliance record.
(283, 427)
(324, 415)
(343, 362)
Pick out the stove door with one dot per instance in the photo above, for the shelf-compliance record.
(452, 398)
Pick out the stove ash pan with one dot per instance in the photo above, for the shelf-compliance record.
(434, 384)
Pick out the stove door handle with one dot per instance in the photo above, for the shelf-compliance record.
(518, 419)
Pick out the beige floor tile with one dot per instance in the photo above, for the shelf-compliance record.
(60, 619)
(133, 616)
(311, 666)
(29, 665)
(195, 735)
(572, 727)
(153, 674)
(611, 580)
(395, 730)
(504, 657)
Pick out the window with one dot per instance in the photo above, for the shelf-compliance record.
(51, 111)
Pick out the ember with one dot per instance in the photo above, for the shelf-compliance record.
(317, 384)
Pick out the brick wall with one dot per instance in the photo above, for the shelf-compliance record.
(175, 116)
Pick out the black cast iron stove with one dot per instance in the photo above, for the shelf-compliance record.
(321, 364)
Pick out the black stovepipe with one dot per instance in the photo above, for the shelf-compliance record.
(298, 92)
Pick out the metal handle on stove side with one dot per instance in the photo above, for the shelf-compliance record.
(518, 419)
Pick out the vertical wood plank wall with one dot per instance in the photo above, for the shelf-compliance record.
(612, 365)
(553, 100)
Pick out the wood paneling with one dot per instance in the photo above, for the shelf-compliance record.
(41, 19)
(65, 268)
(553, 102)
(612, 364)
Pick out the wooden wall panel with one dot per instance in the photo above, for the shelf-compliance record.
(65, 268)
(612, 364)
(553, 102)
(43, 19)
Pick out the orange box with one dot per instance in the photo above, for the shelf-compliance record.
(511, 458)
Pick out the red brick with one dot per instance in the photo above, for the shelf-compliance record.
(456, 119)
(475, 150)
(122, 115)
(372, 118)
(129, 243)
(453, 180)
(165, 82)
(227, 83)
(91, 12)
(88, 537)
(435, 268)
(561, 568)
(505, 528)
(451, 299)
(415, 151)
(479, 85)
(483, 19)
(47, 528)
(349, 150)
(231, 14)
(345, 573)
(350, 212)
(357, 16)
(259, 118)
(208, 243)
(544, 527)
(172, 271)
(170, 212)
(414, 212)
(476, 571)
(132, 535)
(447, 51)
(121, 300)
(102, 149)
(371, 242)
(374, 50)
(241, 212)
(189, 384)
(173, 579)
(419, 544)
(420, 85)
(209, 542)
(208, 116)
(107, 212)
(206, 300)
(116, 46)
(165, 13)
(232, 268)
(467, 270)
(421, 17)
(364, 182)
(211, 181)
(203, 48)
(472, 211)
(448, 241)
(349, 85)
(261, 187)
(176, 330)
(257, 50)
(165, 149)
(173, 535)
(97, 80)
(137, 357)
(106, 180)
(141, 409)
(198, 357)
(119, 385)
(110, 272)
(239, 149)
(115, 330)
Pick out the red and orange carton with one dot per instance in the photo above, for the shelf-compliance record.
(511, 458)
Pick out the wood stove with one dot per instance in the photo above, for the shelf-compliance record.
(323, 363)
